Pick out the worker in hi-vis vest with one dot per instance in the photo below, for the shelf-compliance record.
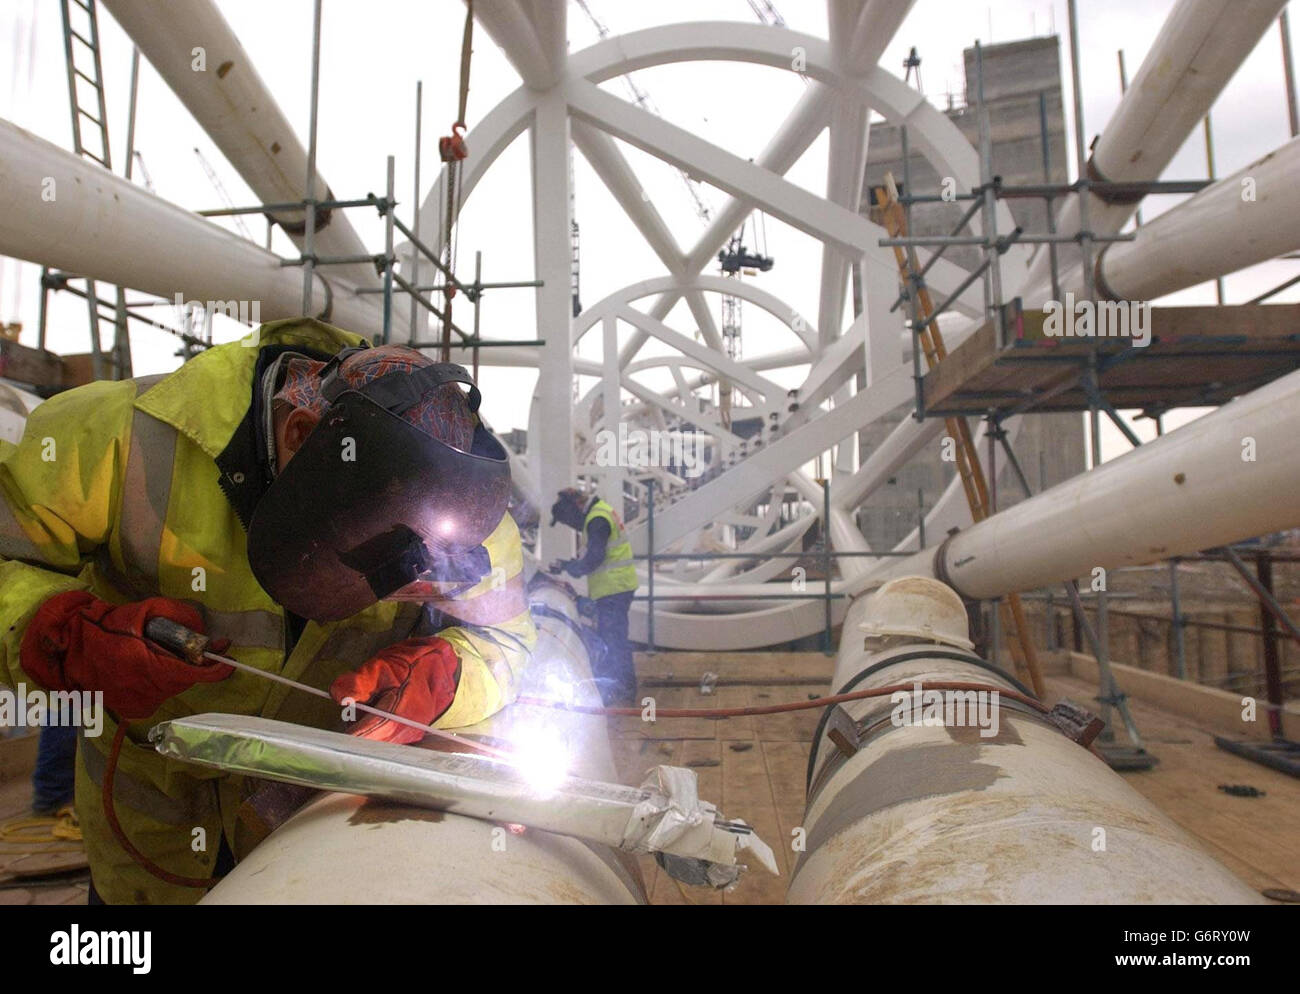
(606, 562)
(324, 511)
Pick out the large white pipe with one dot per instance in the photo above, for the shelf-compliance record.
(1225, 477)
(343, 849)
(1248, 217)
(1199, 48)
(232, 104)
(68, 213)
(15, 405)
(967, 809)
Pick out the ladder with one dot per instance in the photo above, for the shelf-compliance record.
(82, 55)
(888, 211)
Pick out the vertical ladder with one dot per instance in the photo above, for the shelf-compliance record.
(81, 49)
(889, 212)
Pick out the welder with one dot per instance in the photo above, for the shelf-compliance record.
(606, 562)
(323, 510)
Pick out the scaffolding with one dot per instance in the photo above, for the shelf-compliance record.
(1077, 383)
(83, 77)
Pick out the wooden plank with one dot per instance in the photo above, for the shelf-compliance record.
(680, 728)
(1198, 355)
(15, 798)
(1198, 705)
(687, 668)
(73, 894)
(18, 756)
(967, 362)
(78, 369)
(787, 767)
(31, 366)
(747, 793)
(733, 696)
(790, 726)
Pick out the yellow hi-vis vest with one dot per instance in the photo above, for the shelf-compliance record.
(616, 574)
(113, 489)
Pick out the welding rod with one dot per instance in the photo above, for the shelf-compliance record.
(192, 647)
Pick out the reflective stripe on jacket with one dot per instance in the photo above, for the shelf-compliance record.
(616, 574)
(113, 488)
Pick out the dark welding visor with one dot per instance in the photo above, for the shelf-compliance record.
(568, 510)
(370, 503)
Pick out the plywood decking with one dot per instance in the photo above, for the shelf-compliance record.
(15, 802)
(1198, 356)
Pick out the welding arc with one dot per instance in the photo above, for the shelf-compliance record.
(817, 702)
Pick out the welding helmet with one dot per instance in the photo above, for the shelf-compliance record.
(569, 508)
(370, 503)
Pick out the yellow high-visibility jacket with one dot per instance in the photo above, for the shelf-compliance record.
(616, 574)
(129, 489)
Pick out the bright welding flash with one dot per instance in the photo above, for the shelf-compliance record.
(542, 757)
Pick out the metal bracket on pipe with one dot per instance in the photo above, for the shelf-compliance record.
(664, 816)
(1078, 724)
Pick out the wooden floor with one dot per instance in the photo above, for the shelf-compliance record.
(64, 888)
(1258, 838)
(754, 767)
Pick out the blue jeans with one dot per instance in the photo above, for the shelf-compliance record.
(615, 673)
(53, 778)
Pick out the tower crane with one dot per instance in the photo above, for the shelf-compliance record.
(220, 187)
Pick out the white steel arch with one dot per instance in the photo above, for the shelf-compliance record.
(562, 106)
(592, 117)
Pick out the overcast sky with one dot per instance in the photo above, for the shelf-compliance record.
(374, 51)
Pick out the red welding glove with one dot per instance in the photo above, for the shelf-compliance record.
(416, 679)
(75, 641)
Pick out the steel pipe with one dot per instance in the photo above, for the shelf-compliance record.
(1200, 47)
(341, 849)
(1188, 490)
(67, 213)
(1246, 218)
(990, 804)
(232, 104)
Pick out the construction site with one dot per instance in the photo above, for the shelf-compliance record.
(720, 467)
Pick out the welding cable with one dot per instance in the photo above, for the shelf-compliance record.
(817, 702)
(110, 812)
(57, 833)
